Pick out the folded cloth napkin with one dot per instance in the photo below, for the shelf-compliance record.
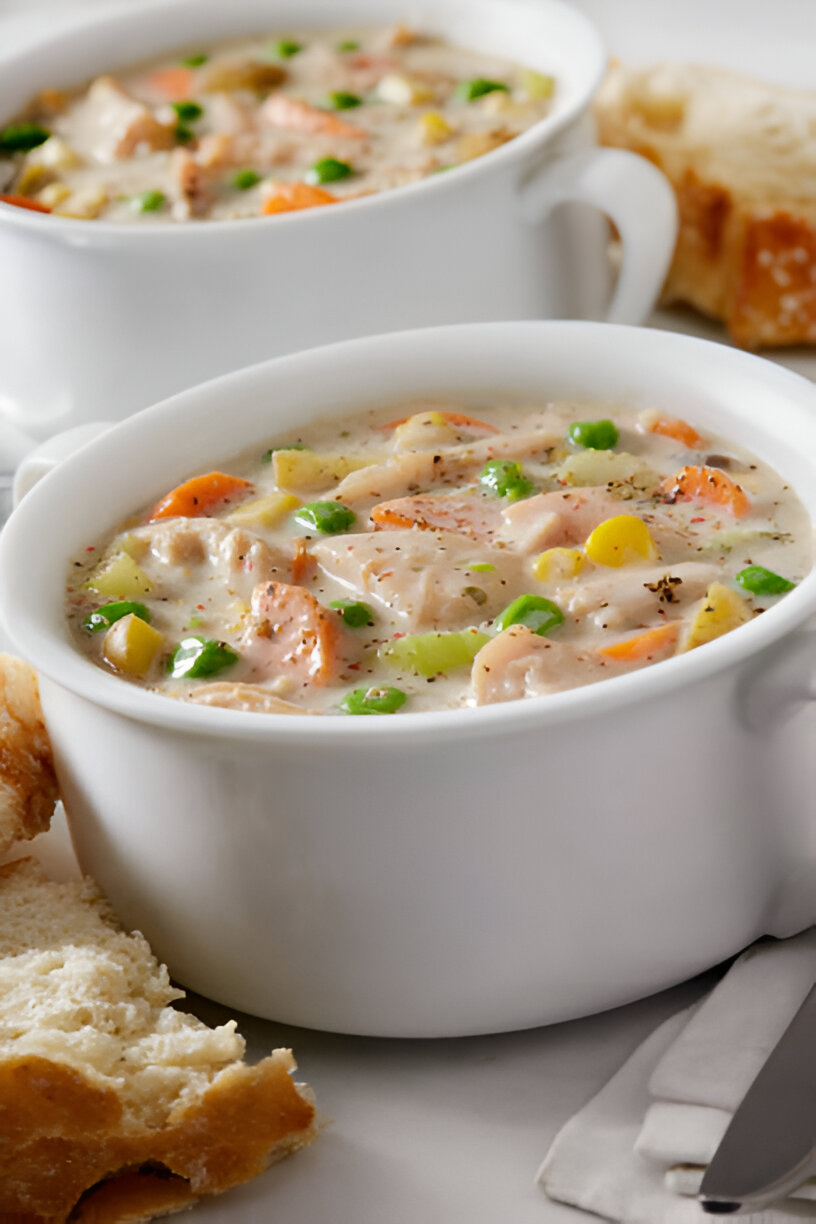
(637, 1152)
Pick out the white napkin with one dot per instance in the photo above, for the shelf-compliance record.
(637, 1152)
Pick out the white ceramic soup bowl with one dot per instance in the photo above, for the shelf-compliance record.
(99, 319)
(453, 872)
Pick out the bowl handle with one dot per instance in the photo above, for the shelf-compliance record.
(39, 461)
(640, 201)
(778, 702)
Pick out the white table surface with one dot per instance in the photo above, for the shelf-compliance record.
(452, 1132)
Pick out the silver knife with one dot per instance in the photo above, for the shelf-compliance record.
(769, 1148)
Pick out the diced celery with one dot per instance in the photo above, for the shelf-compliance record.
(427, 654)
(119, 577)
(599, 467)
(537, 85)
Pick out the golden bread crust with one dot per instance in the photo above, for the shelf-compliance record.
(28, 784)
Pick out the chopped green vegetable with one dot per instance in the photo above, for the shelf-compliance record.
(340, 100)
(594, 435)
(477, 88)
(187, 110)
(505, 478)
(440, 169)
(21, 137)
(373, 700)
(354, 612)
(286, 48)
(242, 180)
(481, 567)
(197, 657)
(427, 654)
(148, 201)
(328, 170)
(761, 581)
(534, 611)
(476, 594)
(195, 61)
(330, 517)
(105, 616)
(183, 133)
(348, 44)
(266, 457)
(537, 85)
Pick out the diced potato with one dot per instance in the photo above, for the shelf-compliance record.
(119, 577)
(422, 431)
(557, 563)
(56, 154)
(84, 204)
(725, 541)
(54, 194)
(31, 178)
(722, 610)
(403, 90)
(303, 469)
(264, 511)
(623, 539)
(476, 144)
(537, 85)
(433, 129)
(137, 547)
(600, 467)
(131, 645)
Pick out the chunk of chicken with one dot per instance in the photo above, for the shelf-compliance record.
(425, 577)
(238, 557)
(519, 663)
(109, 125)
(252, 698)
(469, 513)
(636, 596)
(551, 520)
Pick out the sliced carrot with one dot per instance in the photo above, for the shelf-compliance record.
(198, 496)
(296, 634)
(467, 514)
(290, 197)
(303, 563)
(460, 419)
(173, 82)
(708, 485)
(653, 641)
(281, 111)
(20, 201)
(681, 431)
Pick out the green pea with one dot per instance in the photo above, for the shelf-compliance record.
(195, 61)
(266, 457)
(21, 137)
(183, 133)
(340, 100)
(148, 201)
(328, 170)
(477, 88)
(506, 479)
(355, 613)
(197, 657)
(242, 180)
(761, 581)
(374, 700)
(594, 435)
(348, 44)
(105, 616)
(188, 111)
(286, 48)
(534, 611)
(330, 517)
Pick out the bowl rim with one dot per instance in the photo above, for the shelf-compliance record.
(61, 661)
(96, 233)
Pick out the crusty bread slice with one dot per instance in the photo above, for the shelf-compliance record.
(28, 787)
(741, 156)
(114, 1105)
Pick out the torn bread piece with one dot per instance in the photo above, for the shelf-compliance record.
(28, 786)
(114, 1105)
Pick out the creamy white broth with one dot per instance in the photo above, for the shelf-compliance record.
(433, 549)
(120, 151)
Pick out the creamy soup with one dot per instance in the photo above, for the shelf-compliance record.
(440, 556)
(265, 125)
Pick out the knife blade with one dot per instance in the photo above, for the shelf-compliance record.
(769, 1148)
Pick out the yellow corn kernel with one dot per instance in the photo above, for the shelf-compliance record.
(403, 90)
(303, 469)
(557, 563)
(537, 85)
(264, 511)
(119, 577)
(621, 540)
(722, 610)
(433, 129)
(53, 194)
(131, 645)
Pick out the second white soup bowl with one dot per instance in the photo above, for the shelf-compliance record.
(454, 872)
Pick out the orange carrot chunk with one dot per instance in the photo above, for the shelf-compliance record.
(303, 563)
(289, 197)
(708, 485)
(20, 201)
(681, 431)
(174, 82)
(644, 645)
(295, 116)
(459, 419)
(199, 495)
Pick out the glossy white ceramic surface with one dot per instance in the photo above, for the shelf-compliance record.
(450, 873)
(128, 314)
